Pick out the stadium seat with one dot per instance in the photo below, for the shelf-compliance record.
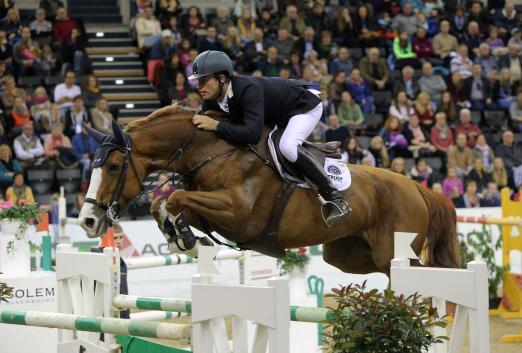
(70, 179)
(29, 81)
(356, 53)
(409, 163)
(43, 199)
(434, 162)
(382, 101)
(363, 141)
(495, 119)
(40, 180)
(476, 117)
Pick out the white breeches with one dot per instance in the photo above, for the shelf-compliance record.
(298, 129)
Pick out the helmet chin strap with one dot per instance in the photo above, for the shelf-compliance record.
(221, 86)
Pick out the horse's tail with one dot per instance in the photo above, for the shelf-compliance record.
(442, 245)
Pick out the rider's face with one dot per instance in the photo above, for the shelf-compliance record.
(208, 87)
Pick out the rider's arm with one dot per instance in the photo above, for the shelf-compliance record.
(249, 131)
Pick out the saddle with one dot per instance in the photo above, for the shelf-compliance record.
(320, 151)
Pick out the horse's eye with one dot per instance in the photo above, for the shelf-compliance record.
(113, 167)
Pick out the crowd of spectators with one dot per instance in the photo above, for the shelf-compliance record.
(428, 88)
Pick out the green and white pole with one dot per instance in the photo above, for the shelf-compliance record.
(95, 324)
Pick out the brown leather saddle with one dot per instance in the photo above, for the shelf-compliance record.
(267, 241)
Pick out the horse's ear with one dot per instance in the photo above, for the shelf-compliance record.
(95, 134)
(119, 135)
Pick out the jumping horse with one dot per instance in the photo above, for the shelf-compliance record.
(232, 190)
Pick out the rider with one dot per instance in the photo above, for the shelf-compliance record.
(260, 101)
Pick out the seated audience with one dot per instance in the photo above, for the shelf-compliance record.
(19, 193)
(8, 167)
(28, 148)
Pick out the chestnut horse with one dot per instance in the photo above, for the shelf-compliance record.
(234, 193)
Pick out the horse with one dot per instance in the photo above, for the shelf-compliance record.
(232, 190)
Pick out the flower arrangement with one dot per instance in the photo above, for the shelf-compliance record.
(23, 212)
(294, 258)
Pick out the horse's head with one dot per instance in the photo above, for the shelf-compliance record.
(116, 179)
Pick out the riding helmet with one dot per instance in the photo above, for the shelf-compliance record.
(211, 62)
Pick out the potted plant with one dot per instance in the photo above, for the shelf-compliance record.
(481, 244)
(373, 321)
(295, 265)
(15, 248)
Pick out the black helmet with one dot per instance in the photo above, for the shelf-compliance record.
(211, 62)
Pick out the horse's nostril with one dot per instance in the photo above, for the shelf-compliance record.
(89, 222)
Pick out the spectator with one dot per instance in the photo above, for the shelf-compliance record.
(148, 29)
(407, 20)
(295, 65)
(11, 24)
(421, 172)
(403, 51)
(18, 117)
(168, 9)
(478, 15)
(328, 105)
(210, 41)
(141, 5)
(394, 139)
(499, 173)
(28, 148)
(479, 174)
(307, 43)
(177, 35)
(352, 154)
(53, 143)
(194, 101)
(433, 85)
(378, 153)
(424, 110)
(233, 46)
(75, 117)
(436, 187)
(407, 84)
(46, 122)
(66, 91)
(494, 43)
(469, 199)
(360, 91)
(5, 6)
(6, 50)
(473, 38)
(487, 61)
(418, 144)
(166, 188)
(271, 65)
(41, 108)
(342, 62)
(444, 43)
(159, 54)
(491, 195)
(42, 30)
(63, 26)
(374, 70)
(192, 22)
(505, 91)
(284, 45)
(27, 55)
(349, 112)
(482, 150)
(510, 153)
(401, 107)
(74, 52)
(51, 7)
(459, 21)
(513, 62)
(515, 111)
(101, 117)
(458, 92)
(268, 23)
(422, 45)
(516, 38)
(364, 27)
(246, 25)
(336, 132)
(10, 93)
(343, 27)
(91, 91)
(507, 19)
(84, 147)
(8, 167)
(461, 63)
(256, 50)
(293, 23)
(245, 5)
(398, 165)
(327, 48)
(317, 18)
(467, 127)
(193, 53)
(441, 135)
(460, 156)
(222, 21)
(478, 90)
(452, 185)
(18, 192)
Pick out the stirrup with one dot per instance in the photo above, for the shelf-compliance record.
(335, 212)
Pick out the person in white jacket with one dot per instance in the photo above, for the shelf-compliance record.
(27, 146)
(148, 29)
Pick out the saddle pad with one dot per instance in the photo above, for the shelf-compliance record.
(337, 170)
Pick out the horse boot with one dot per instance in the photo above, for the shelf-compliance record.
(334, 206)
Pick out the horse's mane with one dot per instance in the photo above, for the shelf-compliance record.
(170, 111)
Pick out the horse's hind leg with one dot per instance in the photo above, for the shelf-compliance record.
(351, 254)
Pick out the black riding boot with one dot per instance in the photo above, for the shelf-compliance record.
(335, 206)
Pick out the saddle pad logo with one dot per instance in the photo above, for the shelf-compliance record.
(338, 173)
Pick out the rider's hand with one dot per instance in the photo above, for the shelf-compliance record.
(205, 123)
